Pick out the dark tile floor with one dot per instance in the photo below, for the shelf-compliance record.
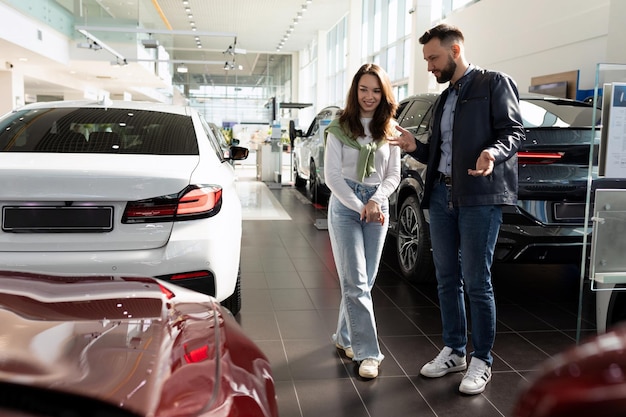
(290, 299)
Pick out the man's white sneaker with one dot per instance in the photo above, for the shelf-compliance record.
(477, 376)
(369, 368)
(346, 350)
(445, 362)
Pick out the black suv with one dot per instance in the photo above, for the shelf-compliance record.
(547, 225)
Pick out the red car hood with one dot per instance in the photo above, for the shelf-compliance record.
(127, 341)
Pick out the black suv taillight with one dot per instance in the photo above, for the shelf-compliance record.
(538, 158)
(194, 202)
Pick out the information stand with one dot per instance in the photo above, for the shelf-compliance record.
(606, 269)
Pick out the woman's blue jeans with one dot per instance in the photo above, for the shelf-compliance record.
(357, 248)
(463, 241)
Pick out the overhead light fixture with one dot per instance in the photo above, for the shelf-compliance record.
(119, 62)
(95, 43)
(226, 66)
(150, 43)
(182, 69)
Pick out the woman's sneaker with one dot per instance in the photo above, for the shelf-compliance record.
(477, 376)
(369, 368)
(445, 362)
(346, 350)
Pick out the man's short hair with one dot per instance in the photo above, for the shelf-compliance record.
(446, 33)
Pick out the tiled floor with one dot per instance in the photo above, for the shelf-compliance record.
(290, 300)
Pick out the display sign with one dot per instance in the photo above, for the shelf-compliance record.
(614, 153)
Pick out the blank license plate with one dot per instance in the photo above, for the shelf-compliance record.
(57, 219)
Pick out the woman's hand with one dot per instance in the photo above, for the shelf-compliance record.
(406, 140)
(371, 213)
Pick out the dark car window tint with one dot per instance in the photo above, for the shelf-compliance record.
(217, 148)
(315, 125)
(417, 117)
(554, 122)
(98, 130)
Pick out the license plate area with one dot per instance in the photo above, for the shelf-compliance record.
(54, 219)
(569, 212)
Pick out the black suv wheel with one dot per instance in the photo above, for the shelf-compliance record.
(413, 243)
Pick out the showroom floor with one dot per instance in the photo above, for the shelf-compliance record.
(290, 296)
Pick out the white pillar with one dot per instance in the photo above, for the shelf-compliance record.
(615, 52)
(12, 87)
(420, 78)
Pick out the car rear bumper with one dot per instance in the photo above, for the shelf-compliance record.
(540, 244)
(178, 256)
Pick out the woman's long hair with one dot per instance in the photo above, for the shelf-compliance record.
(380, 126)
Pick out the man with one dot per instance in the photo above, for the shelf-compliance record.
(476, 130)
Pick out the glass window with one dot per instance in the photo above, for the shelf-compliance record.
(392, 20)
(98, 130)
(416, 118)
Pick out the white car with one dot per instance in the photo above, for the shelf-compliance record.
(122, 188)
(308, 154)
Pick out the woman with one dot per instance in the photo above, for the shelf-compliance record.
(361, 170)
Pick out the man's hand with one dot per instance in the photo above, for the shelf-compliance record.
(406, 140)
(484, 165)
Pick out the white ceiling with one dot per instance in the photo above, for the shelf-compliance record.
(257, 26)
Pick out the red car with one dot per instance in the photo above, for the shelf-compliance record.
(124, 346)
(586, 380)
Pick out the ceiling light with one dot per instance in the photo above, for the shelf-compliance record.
(182, 69)
(150, 43)
(190, 16)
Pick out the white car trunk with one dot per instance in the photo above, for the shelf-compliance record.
(95, 180)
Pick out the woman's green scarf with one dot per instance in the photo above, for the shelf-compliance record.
(365, 165)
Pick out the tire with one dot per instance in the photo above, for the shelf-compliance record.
(413, 249)
(314, 186)
(298, 181)
(233, 303)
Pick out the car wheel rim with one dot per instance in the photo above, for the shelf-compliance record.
(408, 238)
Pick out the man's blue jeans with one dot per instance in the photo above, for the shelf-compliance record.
(463, 241)
(357, 249)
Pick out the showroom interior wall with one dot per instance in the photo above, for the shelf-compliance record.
(535, 37)
(525, 39)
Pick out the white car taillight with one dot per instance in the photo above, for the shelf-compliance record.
(194, 202)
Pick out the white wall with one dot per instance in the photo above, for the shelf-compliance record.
(524, 38)
(536, 37)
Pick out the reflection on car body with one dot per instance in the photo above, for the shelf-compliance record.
(124, 346)
(120, 187)
(585, 380)
(308, 155)
(547, 225)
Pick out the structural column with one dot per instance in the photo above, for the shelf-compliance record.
(12, 87)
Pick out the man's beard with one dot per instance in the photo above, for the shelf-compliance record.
(447, 72)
